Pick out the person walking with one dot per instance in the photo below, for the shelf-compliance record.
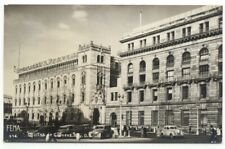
(212, 134)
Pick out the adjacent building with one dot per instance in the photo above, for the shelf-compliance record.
(7, 106)
(45, 88)
(171, 73)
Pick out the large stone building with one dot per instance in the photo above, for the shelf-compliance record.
(171, 73)
(43, 89)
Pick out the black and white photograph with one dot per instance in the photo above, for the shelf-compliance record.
(106, 73)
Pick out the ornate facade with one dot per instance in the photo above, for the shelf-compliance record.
(171, 73)
(45, 88)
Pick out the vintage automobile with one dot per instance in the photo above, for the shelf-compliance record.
(171, 131)
(101, 132)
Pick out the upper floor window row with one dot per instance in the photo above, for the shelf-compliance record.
(100, 59)
(131, 46)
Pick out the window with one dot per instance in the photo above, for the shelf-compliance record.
(102, 59)
(204, 54)
(158, 39)
(142, 66)
(64, 98)
(170, 61)
(28, 101)
(24, 101)
(129, 96)
(132, 45)
(201, 27)
(46, 85)
(73, 80)
(207, 26)
(168, 36)
(128, 46)
(169, 93)
(83, 97)
(130, 80)
(83, 78)
(34, 86)
(128, 118)
(130, 68)
(170, 75)
(141, 96)
(24, 88)
(57, 99)
(51, 83)
(186, 58)
(39, 85)
(116, 96)
(19, 102)
(140, 118)
(39, 100)
(144, 42)
(203, 91)
(16, 89)
(142, 78)
(65, 80)
(203, 70)
(73, 98)
(220, 89)
(154, 40)
(169, 117)
(38, 116)
(112, 96)
(185, 92)
(173, 35)
(186, 72)
(185, 118)
(58, 82)
(33, 100)
(156, 63)
(220, 22)
(155, 94)
(32, 116)
(140, 43)
(220, 52)
(20, 88)
(184, 32)
(15, 102)
(155, 117)
(98, 59)
(220, 67)
(155, 76)
(51, 99)
(189, 31)
(84, 57)
(45, 100)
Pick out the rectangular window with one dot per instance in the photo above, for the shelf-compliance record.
(32, 116)
(24, 101)
(142, 78)
(168, 36)
(184, 32)
(189, 31)
(201, 27)
(155, 94)
(39, 100)
(184, 118)
(132, 45)
(155, 76)
(220, 67)
(116, 96)
(129, 96)
(83, 97)
(73, 98)
(128, 46)
(112, 96)
(220, 89)
(169, 93)
(154, 40)
(155, 116)
(185, 92)
(128, 118)
(158, 39)
(173, 35)
(206, 26)
(185, 72)
(33, 101)
(141, 118)
(141, 96)
(140, 43)
(170, 75)
(169, 117)
(203, 91)
(144, 42)
(203, 70)
(130, 80)
(220, 22)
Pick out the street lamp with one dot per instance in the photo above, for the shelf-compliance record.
(121, 97)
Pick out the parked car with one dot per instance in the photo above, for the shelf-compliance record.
(171, 131)
(101, 132)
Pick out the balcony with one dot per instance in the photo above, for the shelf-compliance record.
(192, 37)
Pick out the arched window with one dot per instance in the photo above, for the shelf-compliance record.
(98, 59)
(58, 82)
(29, 87)
(170, 61)
(73, 79)
(83, 78)
(186, 58)
(46, 84)
(130, 68)
(155, 63)
(34, 86)
(65, 80)
(102, 59)
(51, 83)
(39, 85)
(45, 100)
(204, 54)
(142, 66)
(220, 52)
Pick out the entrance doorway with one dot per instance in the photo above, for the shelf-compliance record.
(113, 119)
(96, 115)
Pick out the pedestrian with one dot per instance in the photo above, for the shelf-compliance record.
(212, 134)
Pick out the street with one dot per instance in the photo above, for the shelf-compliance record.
(186, 139)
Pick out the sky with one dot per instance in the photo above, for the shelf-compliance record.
(42, 32)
